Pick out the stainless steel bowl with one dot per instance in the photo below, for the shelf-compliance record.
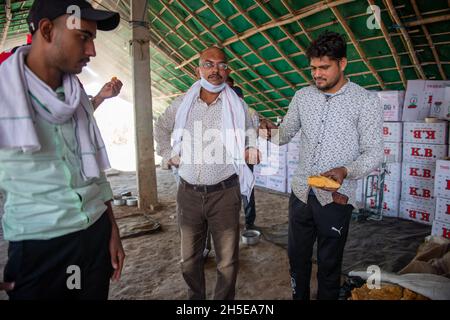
(119, 202)
(250, 237)
(132, 201)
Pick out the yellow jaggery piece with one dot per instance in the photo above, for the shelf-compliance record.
(386, 292)
(323, 182)
(411, 295)
(113, 78)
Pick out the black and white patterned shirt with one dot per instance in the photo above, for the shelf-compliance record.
(342, 130)
(202, 166)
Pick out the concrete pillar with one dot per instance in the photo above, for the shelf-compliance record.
(143, 112)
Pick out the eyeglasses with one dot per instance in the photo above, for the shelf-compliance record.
(210, 65)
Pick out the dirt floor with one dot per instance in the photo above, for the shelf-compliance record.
(152, 269)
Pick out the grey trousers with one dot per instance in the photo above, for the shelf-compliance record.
(218, 211)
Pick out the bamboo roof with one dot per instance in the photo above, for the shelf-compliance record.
(265, 42)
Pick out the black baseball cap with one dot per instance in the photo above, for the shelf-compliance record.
(52, 9)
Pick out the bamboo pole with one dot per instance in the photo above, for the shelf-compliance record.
(429, 20)
(218, 41)
(407, 39)
(300, 24)
(357, 46)
(429, 40)
(201, 41)
(303, 13)
(9, 16)
(271, 41)
(256, 53)
(392, 48)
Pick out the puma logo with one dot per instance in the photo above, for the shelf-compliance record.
(338, 231)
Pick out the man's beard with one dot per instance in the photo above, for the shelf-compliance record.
(328, 86)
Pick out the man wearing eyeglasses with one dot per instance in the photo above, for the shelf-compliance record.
(213, 176)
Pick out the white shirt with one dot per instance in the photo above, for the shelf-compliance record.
(201, 167)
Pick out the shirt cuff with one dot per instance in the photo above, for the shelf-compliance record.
(166, 156)
(106, 191)
(350, 172)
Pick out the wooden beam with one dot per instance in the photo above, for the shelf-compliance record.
(442, 43)
(168, 69)
(391, 46)
(199, 39)
(170, 55)
(7, 24)
(408, 41)
(300, 24)
(300, 14)
(245, 41)
(272, 42)
(143, 111)
(445, 17)
(430, 41)
(287, 16)
(96, 3)
(218, 42)
(357, 46)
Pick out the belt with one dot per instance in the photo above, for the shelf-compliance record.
(232, 181)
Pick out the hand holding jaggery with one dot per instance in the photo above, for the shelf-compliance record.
(330, 180)
(110, 90)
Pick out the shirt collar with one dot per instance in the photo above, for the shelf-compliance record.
(218, 99)
(342, 90)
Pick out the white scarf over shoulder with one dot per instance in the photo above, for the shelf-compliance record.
(233, 120)
(24, 95)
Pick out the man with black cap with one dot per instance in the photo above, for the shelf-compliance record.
(64, 241)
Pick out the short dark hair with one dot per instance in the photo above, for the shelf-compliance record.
(330, 44)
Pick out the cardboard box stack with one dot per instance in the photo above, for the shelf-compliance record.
(424, 143)
(392, 102)
(271, 173)
(392, 136)
(411, 149)
(424, 98)
(441, 223)
(441, 109)
(411, 146)
(278, 164)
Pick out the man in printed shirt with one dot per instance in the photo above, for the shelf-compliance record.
(209, 192)
(64, 241)
(341, 138)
